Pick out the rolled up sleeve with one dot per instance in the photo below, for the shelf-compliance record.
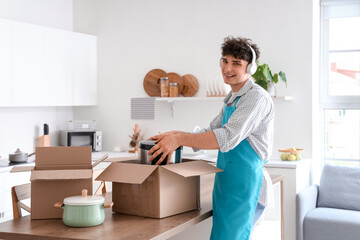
(247, 116)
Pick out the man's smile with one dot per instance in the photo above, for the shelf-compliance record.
(229, 75)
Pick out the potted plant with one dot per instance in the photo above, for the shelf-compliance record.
(266, 79)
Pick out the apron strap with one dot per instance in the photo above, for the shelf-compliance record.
(237, 101)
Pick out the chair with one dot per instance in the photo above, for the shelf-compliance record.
(331, 210)
(19, 193)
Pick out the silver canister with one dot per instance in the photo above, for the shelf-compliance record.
(146, 145)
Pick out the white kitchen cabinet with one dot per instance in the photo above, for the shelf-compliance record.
(43, 66)
(57, 67)
(5, 63)
(29, 84)
(84, 69)
(296, 177)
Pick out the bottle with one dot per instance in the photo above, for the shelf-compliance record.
(164, 87)
(173, 89)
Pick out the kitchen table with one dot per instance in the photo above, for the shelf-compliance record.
(116, 226)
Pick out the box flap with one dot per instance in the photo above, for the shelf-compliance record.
(69, 157)
(100, 160)
(60, 174)
(127, 173)
(122, 159)
(192, 168)
(22, 169)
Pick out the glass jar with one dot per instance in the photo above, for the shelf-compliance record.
(164, 87)
(173, 90)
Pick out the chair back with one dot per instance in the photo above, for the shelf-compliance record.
(19, 193)
(340, 187)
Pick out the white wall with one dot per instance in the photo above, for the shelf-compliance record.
(19, 126)
(185, 37)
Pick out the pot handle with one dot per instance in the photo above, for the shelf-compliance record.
(108, 205)
(33, 153)
(58, 205)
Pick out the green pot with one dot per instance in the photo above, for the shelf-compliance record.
(84, 210)
(83, 216)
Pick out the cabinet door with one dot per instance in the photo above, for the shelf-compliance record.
(58, 67)
(5, 63)
(29, 85)
(84, 69)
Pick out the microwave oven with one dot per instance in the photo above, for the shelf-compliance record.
(82, 138)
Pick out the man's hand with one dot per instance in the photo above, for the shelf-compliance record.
(155, 137)
(166, 144)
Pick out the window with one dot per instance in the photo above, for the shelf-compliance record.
(340, 81)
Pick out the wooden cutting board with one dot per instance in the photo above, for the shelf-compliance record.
(152, 82)
(191, 85)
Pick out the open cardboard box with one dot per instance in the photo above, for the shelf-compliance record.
(153, 190)
(59, 172)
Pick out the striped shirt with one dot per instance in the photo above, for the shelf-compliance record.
(253, 120)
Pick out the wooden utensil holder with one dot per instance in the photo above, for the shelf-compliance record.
(43, 141)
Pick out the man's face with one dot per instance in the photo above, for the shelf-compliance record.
(234, 71)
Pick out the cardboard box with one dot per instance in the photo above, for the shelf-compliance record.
(59, 172)
(153, 190)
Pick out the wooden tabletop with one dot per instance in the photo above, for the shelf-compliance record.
(115, 226)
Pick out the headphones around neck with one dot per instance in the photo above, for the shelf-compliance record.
(251, 67)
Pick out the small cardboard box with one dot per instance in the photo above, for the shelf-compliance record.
(156, 191)
(59, 172)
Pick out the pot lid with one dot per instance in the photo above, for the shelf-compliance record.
(80, 200)
(146, 144)
(18, 152)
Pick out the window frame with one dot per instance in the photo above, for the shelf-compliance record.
(327, 101)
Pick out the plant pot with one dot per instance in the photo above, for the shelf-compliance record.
(271, 89)
(84, 210)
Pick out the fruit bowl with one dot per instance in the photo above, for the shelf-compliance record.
(290, 154)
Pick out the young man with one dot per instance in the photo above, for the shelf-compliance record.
(243, 133)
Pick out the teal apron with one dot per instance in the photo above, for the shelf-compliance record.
(236, 189)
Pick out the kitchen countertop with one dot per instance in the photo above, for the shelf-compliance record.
(6, 166)
(116, 226)
(272, 163)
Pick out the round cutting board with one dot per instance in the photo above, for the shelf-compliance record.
(152, 82)
(191, 85)
(176, 78)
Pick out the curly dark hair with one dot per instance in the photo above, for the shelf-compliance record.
(238, 48)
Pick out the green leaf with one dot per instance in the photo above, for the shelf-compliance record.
(263, 75)
(276, 78)
(267, 73)
(262, 83)
(283, 77)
